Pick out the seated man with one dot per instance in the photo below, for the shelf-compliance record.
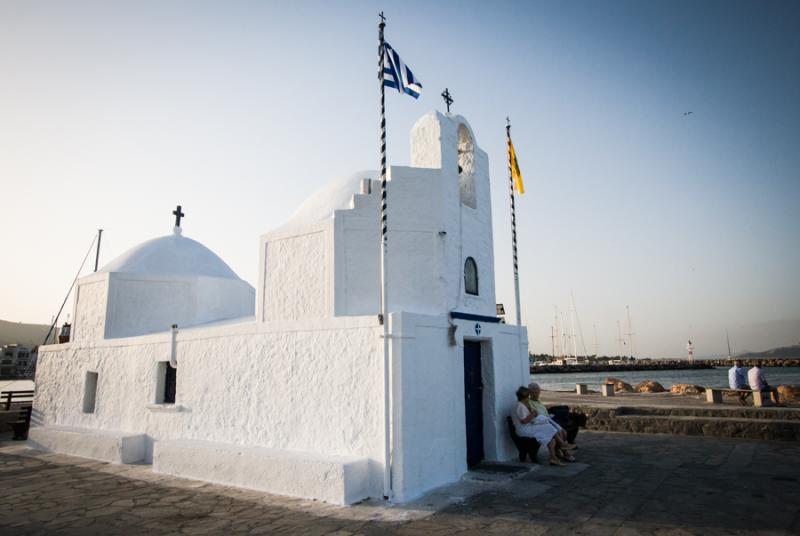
(736, 380)
(757, 379)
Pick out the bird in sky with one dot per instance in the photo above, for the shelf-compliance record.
(687, 113)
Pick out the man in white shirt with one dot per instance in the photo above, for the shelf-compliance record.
(757, 379)
(737, 380)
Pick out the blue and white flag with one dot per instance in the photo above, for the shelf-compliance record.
(397, 75)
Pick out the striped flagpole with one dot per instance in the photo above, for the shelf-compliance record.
(513, 221)
(384, 314)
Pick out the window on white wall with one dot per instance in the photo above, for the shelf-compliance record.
(471, 276)
(89, 392)
(167, 383)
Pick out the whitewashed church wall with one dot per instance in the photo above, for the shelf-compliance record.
(417, 280)
(428, 384)
(297, 276)
(223, 299)
(357, 265)
(90, 308)
(306, 386)
(139, 305)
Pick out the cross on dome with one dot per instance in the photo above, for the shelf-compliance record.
(448, 99)
(178, 215)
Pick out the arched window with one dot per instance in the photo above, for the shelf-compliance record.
(466, 166)
(471, 276)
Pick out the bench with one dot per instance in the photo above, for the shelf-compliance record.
(111, 446)
(332, 478)
(527, 446)
(714, 395)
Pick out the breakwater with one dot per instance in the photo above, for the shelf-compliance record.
(639, 366)
(766, 362)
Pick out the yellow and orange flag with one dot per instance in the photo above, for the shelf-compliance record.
(515, 173)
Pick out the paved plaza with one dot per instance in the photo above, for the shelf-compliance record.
(623, 484)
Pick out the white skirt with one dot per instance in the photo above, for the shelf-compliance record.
(540, 429)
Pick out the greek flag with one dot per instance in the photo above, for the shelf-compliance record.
(397, 75)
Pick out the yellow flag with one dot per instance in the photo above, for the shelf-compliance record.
(515, 174)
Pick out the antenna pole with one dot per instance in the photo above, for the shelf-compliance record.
(97, 255)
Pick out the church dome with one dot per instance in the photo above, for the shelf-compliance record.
(173, 255)
(335, 195)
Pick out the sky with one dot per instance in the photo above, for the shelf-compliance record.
(112, 113)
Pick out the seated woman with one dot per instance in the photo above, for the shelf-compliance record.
(528, 424)
(538, 408)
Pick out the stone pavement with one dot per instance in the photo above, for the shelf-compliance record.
(623, 484)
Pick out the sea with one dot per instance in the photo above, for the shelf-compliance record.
(716, 377)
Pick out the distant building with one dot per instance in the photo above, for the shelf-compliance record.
(15, 360)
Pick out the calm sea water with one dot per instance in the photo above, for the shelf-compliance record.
(710, 377)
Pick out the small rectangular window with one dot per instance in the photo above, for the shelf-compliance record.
(90, 392)
(166, 385)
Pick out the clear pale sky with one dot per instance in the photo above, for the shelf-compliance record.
(112, 113)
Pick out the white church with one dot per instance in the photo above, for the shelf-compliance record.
(175, 361)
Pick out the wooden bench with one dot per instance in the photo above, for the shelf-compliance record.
(714, 395)
(527, 446)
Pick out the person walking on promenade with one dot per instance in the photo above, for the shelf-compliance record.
(738, 381)
(757, 379)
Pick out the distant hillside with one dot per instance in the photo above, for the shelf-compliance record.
(29, 335)
(776, 353)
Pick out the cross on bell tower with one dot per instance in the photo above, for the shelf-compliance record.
(178, 215)
(448, 99)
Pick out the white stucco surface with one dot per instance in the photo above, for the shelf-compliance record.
(296, 276)
(335, 479)
(90, 309)
(107, 445)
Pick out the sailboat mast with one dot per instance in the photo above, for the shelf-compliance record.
(572, 322)
(630, 331)
(728, 339)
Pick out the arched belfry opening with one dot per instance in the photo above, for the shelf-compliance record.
(466, 166)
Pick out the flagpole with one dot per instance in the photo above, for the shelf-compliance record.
(384, 315)
(513, 222)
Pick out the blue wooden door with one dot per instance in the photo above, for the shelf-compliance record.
(473, 401)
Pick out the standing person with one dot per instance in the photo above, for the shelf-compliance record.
(757, 379)
(738, 381)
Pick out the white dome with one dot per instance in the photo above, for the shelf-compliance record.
(171, 255)
(334, 196)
